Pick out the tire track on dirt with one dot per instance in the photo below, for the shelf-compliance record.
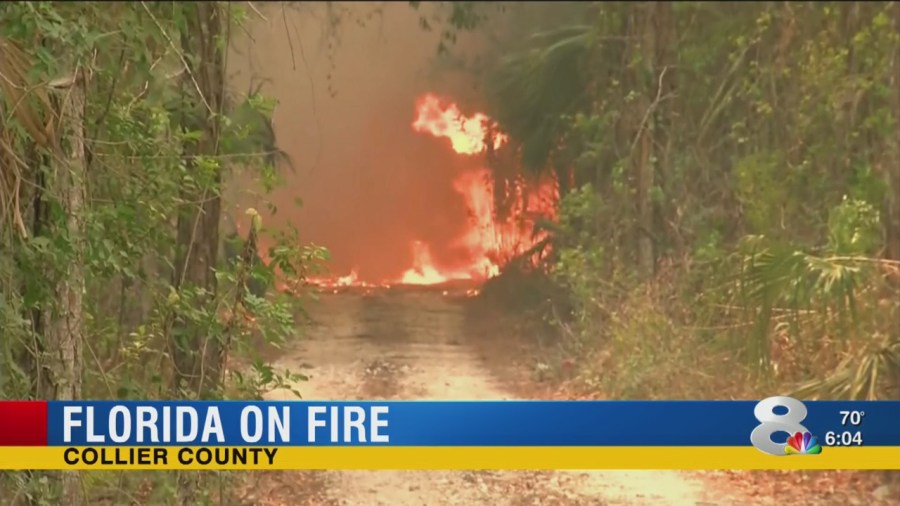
(406, 345)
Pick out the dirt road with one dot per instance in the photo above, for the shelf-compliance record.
(408, 345)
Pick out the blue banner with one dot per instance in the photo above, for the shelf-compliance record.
(430, 423)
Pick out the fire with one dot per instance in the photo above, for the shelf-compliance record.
(424, 271)
(351, 279)
(348, 280)
(489, 243)
(467, 135)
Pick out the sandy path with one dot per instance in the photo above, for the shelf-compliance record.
(407, 345)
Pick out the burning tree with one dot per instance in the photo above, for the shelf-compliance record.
(504, 205)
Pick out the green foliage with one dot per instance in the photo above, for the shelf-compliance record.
(764, 190)
(837, 294)
(454, 18)
(772, 129)
(141, 113)
(531, 90)
(854, 228)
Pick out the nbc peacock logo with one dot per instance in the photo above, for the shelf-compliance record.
(770, 413)
(802, 443)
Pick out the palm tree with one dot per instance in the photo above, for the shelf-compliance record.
(532, 90)
(856, 289)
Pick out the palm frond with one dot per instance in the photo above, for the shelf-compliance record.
(532, 89)
(30, 107)
(256, 132)
(858, 376)
(778, 276)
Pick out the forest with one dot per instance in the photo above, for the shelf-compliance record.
(729, 186)
(728, 222)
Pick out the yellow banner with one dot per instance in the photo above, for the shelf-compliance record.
(287, 458)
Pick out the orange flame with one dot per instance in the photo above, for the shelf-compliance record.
(467, 135)
(351, 279)
(488, 242)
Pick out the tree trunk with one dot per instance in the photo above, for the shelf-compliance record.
(668, 215)
(195, 351)
(642, 152)
(64, 328)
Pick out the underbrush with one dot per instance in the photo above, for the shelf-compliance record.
(520, 288)
(678, 337)
(694, 331)
(639, 346)
(759, 318)
(129, 357)
(669, 339)
(516, 308)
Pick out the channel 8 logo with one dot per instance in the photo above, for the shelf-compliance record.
(771, 422)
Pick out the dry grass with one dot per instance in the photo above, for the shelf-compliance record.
(649, 349)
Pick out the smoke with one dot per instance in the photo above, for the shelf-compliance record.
(346, 92)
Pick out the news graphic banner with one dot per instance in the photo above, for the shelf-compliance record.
(776, 433)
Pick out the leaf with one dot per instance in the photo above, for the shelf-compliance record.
(29, 104)
(533, 89)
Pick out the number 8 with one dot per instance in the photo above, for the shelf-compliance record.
(771, 422)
